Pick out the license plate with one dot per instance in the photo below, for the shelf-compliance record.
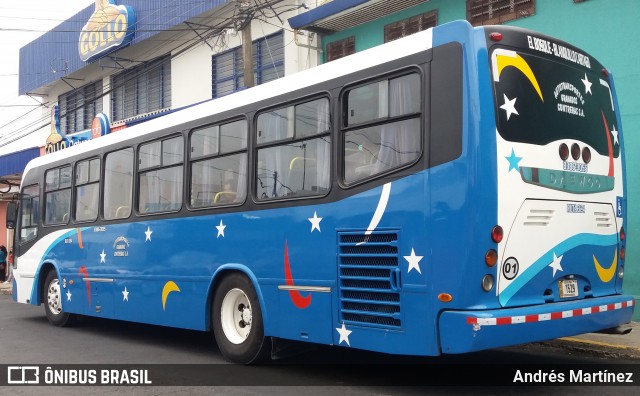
(568, 288)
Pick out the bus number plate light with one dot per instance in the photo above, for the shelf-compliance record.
(568, 288)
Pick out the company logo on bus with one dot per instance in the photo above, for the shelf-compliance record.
(109, 27)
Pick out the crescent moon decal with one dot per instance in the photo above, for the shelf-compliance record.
(510, 58)
(80, 238)
(168, 288)
(377, 215)
(606, 274)
(609, 145)
(296, 297)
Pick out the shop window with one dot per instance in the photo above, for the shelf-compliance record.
(141, 90)
(405, 27)
(341, 48)
(268, 64)
(79, 107)
(494, 12)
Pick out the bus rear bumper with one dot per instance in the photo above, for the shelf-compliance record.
(468, 331)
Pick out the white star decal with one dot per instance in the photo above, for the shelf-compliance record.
(555, 264)
(315, 222)
(68, 295)
(414, 261)
(103, 257)
(587, 84)
(344, 334)
(615, 135)
(509, 106)
(125, 294)
(148, 233)
(221, 228)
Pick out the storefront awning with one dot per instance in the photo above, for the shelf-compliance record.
(339, 15)
(13, 163)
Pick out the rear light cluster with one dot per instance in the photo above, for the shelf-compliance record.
(491, 258)
(576, 153)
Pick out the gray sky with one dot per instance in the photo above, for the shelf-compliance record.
(21, 22)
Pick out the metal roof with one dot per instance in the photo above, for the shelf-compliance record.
(11, 164)
(55, 54)
(340, 15)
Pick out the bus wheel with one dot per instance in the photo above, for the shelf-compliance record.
(237, 321)
(53, 301)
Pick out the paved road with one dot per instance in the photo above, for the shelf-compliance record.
(27, 338)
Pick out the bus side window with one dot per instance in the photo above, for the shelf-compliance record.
(118, 182)
(57, 195)
(160, 176)
(87, 190)
(298, 164)
(29, 213)
(218, 155)
(382, 127)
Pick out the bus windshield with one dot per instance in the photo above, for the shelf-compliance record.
(540, 99)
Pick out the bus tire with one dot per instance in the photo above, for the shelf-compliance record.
(237, 321)
(53, 301)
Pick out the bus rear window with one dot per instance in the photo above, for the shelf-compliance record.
(539, 100)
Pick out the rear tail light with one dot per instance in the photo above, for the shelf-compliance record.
(445, 297)
(491, 258)
(495, 36)
(487, 283)
(622, 253)
(564, 151)
(605, 72)
(497, 234)
(622, 233)
(586, 155)
(575, 151)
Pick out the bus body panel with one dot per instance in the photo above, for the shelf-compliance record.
(468, 331)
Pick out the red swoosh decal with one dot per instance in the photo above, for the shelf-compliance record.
(606, 128)
(296, 297)
(85, 274)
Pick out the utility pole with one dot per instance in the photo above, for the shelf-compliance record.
(247, 54)
(246, 13)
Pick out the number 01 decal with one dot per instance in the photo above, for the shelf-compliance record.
(510, 268)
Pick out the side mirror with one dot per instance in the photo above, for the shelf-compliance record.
(12, 215)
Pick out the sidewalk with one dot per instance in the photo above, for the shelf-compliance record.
(622, 346)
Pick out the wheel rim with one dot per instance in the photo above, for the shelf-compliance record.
(236, 316)
(53, 297)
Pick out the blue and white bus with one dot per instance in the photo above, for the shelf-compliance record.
(452, 191)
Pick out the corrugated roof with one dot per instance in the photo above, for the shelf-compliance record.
(340, 15)
(13, 163)
(55, 54)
